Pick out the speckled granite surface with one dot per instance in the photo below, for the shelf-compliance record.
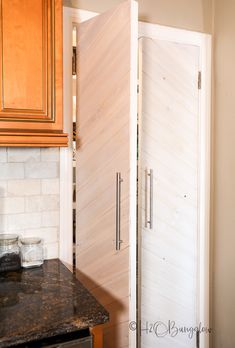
(43, 302)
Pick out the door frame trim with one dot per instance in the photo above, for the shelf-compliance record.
(203, 41)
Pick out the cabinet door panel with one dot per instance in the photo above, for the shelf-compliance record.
(169, 146)
(31, 78)
(26, 59)
(22, 57)
(106, 117)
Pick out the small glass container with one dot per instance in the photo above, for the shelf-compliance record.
(9, 252)
(31, 252)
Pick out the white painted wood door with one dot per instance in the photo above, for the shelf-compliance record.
(107, 132)
(169, 146)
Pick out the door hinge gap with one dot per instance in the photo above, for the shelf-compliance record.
(199, 80)
(197, 339)
(74, 61)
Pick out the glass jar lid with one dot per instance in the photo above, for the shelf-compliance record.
(8, 239)
(30, 241)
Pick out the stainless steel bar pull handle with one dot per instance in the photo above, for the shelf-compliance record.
(149, 200)
(119, 180)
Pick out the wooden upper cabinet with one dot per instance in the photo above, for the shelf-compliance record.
(31, 80)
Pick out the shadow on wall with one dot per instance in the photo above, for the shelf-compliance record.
(111, 331)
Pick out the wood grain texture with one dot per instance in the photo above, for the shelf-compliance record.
(170, 146)
(23, 54)
(105, 127)
(31, 73)
(27, 59)
(36, 139)
(97, 332)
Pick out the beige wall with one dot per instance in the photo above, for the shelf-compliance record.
(190, 14)
(224, 176)
(217, 17)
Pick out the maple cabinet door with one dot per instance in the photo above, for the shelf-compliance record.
(106, 165)
(31, 76)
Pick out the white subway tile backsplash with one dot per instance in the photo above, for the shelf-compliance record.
(11, 171)
(33, 204)
(3, 154)
(50, 186)
(50, 203)
(27, 187)
(47, 234)
(22, 221)
(41, 170)
(42, 203)
(51, 154)
(30, 193)
(11, 205)
(23, 154)
(3, 188)
(3, 223)
(51, 250)
(51, 218)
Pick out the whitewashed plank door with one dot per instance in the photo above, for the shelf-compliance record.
(107, 132)
(169, 147)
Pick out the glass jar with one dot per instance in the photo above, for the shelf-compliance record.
(9, 252)
(31, 251)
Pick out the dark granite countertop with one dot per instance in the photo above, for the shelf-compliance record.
(38, 303)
